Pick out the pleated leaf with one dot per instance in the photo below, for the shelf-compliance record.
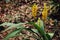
(11, 25)
(40, 27)
(12, 34)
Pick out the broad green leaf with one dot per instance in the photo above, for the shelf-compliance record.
(35, 30)
(6, 23)
(12, 34)
(40, 30)
(11, 25)
(32, 30)
(48, 36)
(40, 23)
(51, 34)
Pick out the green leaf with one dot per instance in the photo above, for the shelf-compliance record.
(35, 30)
(11, 25)
(6, 23)
(48, 36)
(40, 30)
(32, 30)
(12, 34)
(39, 26)
(51, 34)
(40, 23)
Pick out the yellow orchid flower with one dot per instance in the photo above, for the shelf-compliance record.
(34, 10)
(45, 12)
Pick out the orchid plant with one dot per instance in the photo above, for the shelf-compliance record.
(39, 25)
